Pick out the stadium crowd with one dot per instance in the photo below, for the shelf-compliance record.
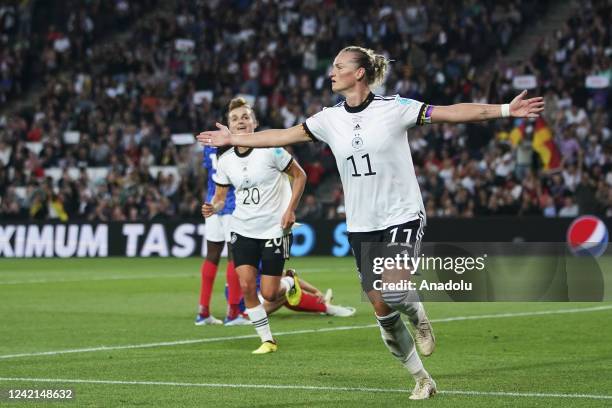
(13, 21)
(107, 142)
(38, 39)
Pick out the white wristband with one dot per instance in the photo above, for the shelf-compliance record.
(505, 110)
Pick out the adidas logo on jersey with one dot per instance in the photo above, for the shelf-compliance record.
(277, 251)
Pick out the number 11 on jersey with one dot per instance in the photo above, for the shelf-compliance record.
(367, 159)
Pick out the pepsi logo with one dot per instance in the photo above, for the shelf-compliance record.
(587, 236)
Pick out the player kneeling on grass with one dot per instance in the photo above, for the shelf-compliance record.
(261, 222)
(311, 301)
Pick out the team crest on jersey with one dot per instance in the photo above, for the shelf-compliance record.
(234, 238)
(403, 101)
(357, 143)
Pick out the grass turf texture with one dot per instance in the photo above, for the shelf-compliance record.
(78, 303)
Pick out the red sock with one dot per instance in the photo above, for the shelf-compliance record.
(309, 303)
(234, 294)
(233, 311)
(208, 271)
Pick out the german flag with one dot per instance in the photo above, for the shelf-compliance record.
(544, 144)
(517, 133)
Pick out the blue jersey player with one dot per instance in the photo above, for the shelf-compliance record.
(217, 234)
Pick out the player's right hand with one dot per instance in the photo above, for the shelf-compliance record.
(207, 210)
(216, 138)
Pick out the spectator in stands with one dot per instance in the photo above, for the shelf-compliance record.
(310, 209)
(569, 208)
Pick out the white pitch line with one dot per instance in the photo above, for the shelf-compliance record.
(305, 387)
(180, 342)
(524, 394)
(134, 277)
(519, 314)
(294, 332)
(100, 278)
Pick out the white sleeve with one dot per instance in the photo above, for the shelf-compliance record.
(281, 158)
(412, 112)
(315, 127)
(220, 177)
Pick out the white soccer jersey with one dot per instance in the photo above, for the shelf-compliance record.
(370, 144)
(263, 191)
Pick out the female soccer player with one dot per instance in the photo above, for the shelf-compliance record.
(217, 231)
(312, 301)
(261, 222)
(368, 137)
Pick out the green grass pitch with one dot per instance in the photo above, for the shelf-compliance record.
(74, 304)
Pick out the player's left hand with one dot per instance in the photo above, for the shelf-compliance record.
(288, 220)
(526, 108)
(216, 138)
(207, 210)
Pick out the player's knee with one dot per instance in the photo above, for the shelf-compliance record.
(269, 295)
(230, 254)
(404, 301)
(381, 308)
(213, 257)
(213, 251)
(392, 299)
(248, 287)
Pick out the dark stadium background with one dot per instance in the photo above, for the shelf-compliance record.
(99, 101)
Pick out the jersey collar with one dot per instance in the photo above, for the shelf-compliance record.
(245, 154)
(360, 107)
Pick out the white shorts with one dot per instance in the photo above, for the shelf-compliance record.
(217, 228)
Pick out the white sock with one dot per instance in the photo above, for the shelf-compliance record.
(409, 304)
(396, 336)
(399, 341)
(414, 365)
(287, 283)
(259, 318)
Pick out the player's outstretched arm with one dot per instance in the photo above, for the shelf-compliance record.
(217, 203)
(264, 138)
(476, 112)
